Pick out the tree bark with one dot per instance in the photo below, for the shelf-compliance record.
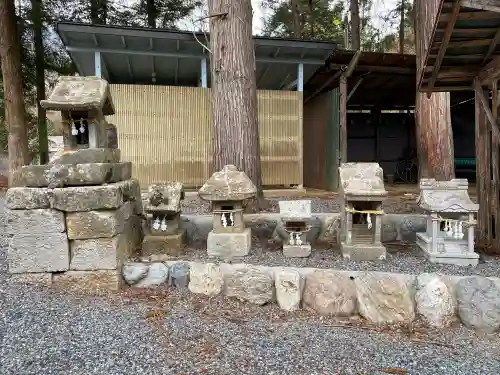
(434, 134)
(10, 57)
(43, 145)
(402, 28)
(151, 12)
(295, 19)
(234, 91)
(355, 32)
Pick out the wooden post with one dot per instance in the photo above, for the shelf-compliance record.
(343, 119)
(495, 172)
(483, 179)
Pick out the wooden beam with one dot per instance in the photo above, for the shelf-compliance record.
(489, 5)
(486, 107)
(462, 43)
(460, 57)
(378, 69)
(492, 47)
(490, 72)
(352, 64)
(467, 16)
(443, 46)
(448, 88)
(480, 31)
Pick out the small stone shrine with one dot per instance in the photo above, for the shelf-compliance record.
(296, 217)
(165, 234)
(449, 237)
(228, 190)
(76, 219)
(362, 191)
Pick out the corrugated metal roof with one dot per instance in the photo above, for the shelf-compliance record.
(135, 55)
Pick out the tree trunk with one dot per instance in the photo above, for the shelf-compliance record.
(355, 37)
(434, 134)
(43, 144)
(234, 91)
(295, 19)
(10, 57)
(402, 28)
(94, 12)
(151, 11)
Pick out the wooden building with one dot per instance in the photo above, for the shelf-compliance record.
(463, 55)
(160, 84)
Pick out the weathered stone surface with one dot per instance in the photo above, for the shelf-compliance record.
(289, 285)
(90, 281)
(87, 198)
(296, 251)
(478, 300)
(165, 197)
(157, 275)
(330, 293)
(384, 298)
(205, 279)
(445, 196)
(229, 244)
(61, 175)
(25, 198)
(173, 224)
(134, 272)
(32, 278)
(102, 253)
(295, 210)
(229, 184)
(178, 275)
(98, 224)
(33, 222)
(86, 156)
(362, 179)
(250, 285)
(47, 252)
(80, 94)
(434, 301)
(172, 244)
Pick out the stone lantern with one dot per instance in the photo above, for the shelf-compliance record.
(83, 102)
(296, 217)
(162, 207)
(228, 189)
(449, 237)
(362, 191)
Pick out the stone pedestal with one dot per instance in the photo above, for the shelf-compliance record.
(227, 190)
(296, 251)
(358, 252)
(236, 244)
(170, 244)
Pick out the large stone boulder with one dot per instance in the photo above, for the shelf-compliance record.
(330, 293)
(434, 301)
(250, 285)
(478, 300)
(289, 285)
(384, 298)
(134, 272)
(157, 276)
(205, 279)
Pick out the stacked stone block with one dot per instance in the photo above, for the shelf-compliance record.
(77, 219)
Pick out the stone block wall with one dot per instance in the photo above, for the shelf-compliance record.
(77, 234)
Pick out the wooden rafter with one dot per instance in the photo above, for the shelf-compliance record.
(444, 44)
(490, 72)
(492, 47)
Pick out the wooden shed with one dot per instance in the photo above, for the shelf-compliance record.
(160, 84)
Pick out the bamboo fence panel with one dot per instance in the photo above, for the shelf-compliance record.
(166, 132)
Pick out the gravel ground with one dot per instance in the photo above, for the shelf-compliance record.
(400, 259)
(47, 331)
